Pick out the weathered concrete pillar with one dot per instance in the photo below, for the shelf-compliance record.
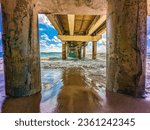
(64, 50)
(84, 51)
(94, 50)
(21, 48)
(126, 46)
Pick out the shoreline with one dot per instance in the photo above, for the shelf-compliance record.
(94, 70)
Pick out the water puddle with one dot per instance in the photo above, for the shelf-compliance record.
(66, 90)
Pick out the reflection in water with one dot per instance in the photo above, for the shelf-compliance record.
(76, 95)
(51, 86)
(65, 90)
(29, 104)
(69, 93)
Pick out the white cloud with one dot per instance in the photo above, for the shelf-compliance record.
(46, 38)
(41, 29)
(148, 49)
(59, 45)
(44, 20)
(101, 49)
(50, 48)
(50, 45)
(148, 37)
(101, 46)
(55, 39)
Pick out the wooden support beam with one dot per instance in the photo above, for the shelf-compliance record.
(96, 24)
(64, 50)
(56, 23)
(71, 22)
(94, 50)
(101, 32)
(79, 50)
(67, 49)
(92, 23)
(84, 51)
(101, 29)
(80, 38)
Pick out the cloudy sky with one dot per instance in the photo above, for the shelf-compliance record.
(101, 45)
(49, 41)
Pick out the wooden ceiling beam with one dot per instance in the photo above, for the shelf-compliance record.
(71, 22)
(96, 24)
(92, 23)
(56, 23)
(101, 31)
(80, 38)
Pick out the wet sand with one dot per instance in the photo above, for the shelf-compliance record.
(68, 91)
(74, 95)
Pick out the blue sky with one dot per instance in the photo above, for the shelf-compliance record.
(49, 41)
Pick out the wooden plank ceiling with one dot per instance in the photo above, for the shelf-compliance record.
(82, 23)
(78, 25)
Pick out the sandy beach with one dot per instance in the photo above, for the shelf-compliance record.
(94, 70)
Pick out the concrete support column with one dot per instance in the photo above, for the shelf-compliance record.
(94, 50)
(126, 46)
(21, 48)
(64, 50)
(84, 51)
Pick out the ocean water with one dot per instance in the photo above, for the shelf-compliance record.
(45, 55)
(51, 55)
